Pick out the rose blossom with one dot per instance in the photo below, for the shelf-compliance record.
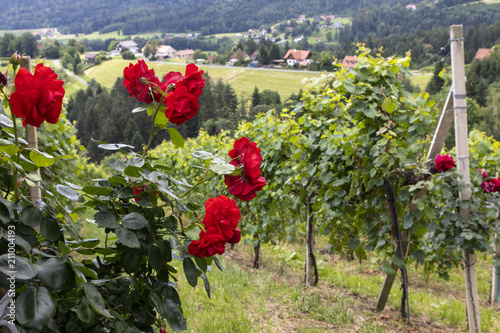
(223, 214)
(220, 222)
(193, 79)
(246, 155)
(138, 79)
(38, 96)
(181, 105)
(444, 162)
(211, 243)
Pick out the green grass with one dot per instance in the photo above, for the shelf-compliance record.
(420, 80)
(242, 80)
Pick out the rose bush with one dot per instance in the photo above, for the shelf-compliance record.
(124, 281)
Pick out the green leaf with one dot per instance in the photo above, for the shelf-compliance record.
(155, 258)
(353, 243)
(96, 190)
(106, 220)
(136, 161)
(95, 299)
(131, 260)
(24, 268)
(133, 171)
(85, 312)
(31, 216)
(127, 237)
(8, 147)
(218, 264)
(87, 271)
(190, 271)
(5, 121)
(176, 137)
(222, 169)
(389, 105)
(201, 262)
(50, 229)
(117, 180)
(386, 268)
(193, 231)
(117, 164)
(114, 146)
(63, 248)
(369, 112)
(202, 155)
(175, 318)
(55, 273)
(408, 221)
(68, 192)
(34, 308)
(396, 259)
(161, 119)
(205, 282)
(90, 243)
(134, 221)
(166, 250)
(349, 87)
(41, 159)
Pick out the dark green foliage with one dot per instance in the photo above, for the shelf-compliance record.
(436, 83)
(127, 55)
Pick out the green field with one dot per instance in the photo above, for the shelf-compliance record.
(421, 80)
(243, 80)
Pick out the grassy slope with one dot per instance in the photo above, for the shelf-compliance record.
(272, 299)
(241, 79)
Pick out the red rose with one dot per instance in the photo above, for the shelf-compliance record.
(137, 81)
(193, 79)
(172, 77)
(223, 214)
(245, 155)
(180, 105)
(163, 330)
(244, 189)
(488, 186)
(236, 237)
(211, 243)
(444, 162)
(38, 96)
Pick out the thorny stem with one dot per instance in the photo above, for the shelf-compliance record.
(151, 132)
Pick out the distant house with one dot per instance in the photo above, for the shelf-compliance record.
(165, 52)
(290, 29)
(337, 25)
(294, 56)
(90, 58)
(254, 55)
(252, 31)
(411, 6)
(184, 54)
(318, 40)
(298, 39)
(302, 18)
(349, 62)
(127, 44)
(481, 54)
(210, 59)
(234, 57)
(190, 35)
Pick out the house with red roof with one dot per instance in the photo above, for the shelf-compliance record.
(483, 53)
(349, 62)
(301, 56)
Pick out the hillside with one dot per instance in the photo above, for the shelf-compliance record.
(209, 16)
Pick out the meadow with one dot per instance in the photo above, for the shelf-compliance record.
(242, 80)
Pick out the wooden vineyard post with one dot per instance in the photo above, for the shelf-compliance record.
(495, 278)
(461, 142)
(31, 137)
